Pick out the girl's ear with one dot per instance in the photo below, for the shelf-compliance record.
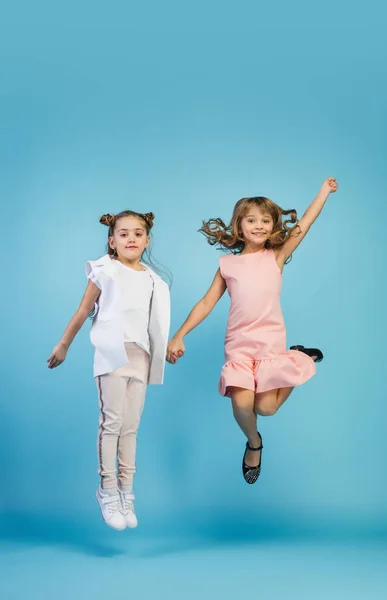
(111, 243)
(147, 242)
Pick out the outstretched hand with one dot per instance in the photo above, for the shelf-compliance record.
(175, 350)
(329, 185)
(58, 355)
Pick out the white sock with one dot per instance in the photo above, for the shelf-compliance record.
(126, 488)
(108, 491)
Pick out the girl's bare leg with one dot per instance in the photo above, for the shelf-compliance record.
(243, 409)
(266, 404)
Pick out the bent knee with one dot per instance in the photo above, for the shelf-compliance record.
(266, 411)
(266, 407)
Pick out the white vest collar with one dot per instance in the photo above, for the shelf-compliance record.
(109, 264)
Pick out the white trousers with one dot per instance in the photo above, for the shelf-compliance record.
(121, 397)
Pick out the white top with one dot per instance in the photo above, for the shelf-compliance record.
(107, 330)
(136, 289)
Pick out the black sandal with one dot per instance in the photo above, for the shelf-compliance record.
(251, 474)
(310, 352)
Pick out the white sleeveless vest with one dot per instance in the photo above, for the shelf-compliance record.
(107, 331)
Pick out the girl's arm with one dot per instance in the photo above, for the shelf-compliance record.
(304, 224)
(59, 353)
(200, 311)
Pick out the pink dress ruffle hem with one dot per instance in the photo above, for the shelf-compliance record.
(285, 370)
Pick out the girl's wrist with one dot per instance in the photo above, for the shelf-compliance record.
(325, 191)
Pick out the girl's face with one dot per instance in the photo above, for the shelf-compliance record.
(130, 238)
(256, 225)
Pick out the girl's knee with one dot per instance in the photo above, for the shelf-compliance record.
(266, 410)
(241, 399)
(266, 405)
(111, 427)
(241, 406)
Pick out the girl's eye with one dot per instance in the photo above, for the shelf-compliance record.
(139, 234)
(123, 234)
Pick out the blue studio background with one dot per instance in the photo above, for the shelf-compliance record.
(182, 110)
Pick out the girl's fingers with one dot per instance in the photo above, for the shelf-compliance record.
(55, 363)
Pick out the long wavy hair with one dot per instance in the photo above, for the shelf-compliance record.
(147, 257)
(230, 237)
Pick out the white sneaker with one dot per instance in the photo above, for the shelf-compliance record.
(111, 510)
(127, 507)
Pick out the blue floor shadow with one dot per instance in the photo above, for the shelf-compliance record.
(164, 535)
(58, 530)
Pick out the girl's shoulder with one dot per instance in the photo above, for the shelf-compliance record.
(96, 270)
(226, 262)
(104, 263)
(225, 258)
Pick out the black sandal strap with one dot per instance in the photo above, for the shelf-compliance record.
(253, 449)
(248, 447)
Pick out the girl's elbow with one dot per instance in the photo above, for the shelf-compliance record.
(207, 306)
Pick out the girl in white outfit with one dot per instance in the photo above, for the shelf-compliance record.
(130, 307)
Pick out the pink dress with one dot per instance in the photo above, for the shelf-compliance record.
(255, 344)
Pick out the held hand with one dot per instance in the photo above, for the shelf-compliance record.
(329, 186)
(58, 355)
(175, 350)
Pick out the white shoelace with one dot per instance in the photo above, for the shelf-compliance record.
(112, 504)
(127, 501)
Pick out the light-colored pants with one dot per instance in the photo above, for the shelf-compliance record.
(121, 397)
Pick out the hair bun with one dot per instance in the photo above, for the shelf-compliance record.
(109, 220)
(149, 218)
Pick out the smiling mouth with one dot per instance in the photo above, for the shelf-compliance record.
(131, 247)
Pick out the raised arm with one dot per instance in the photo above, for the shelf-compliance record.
(312, 212)
(59, 353)
(200, 311)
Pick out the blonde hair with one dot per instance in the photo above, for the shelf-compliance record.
(148, 218)
(230, 237)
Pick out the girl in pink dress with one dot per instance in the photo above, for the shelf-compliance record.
(259, 373)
